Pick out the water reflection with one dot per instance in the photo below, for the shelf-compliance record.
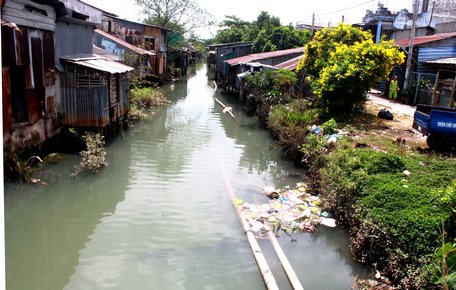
(46, 226)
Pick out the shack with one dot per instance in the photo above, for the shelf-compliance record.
(28, 74)
(236, 67)
(433, 77)
(95, 91)
(225, 51)
(129, 54)
(151, 38)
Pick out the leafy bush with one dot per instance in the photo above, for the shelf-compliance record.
(94, 157)
(329, 127)
(270, 87)
(135, 113)
(147, 98)
(312, 147)
(394, 219)
(294, 113)
(346, 63)
(144, 98)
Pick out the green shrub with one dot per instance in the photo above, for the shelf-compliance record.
(312, 147)
(329, 127)
(147, 98)
(293, 114)
(94, 157)
(394, 219)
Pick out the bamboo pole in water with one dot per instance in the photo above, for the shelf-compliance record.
(268, 278)
(292, 277)
(266, 272)
(225, 108)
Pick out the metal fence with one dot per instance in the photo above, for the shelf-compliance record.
(433, 89)
(422, 85)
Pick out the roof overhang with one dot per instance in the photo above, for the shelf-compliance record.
(98, 63)
(451, 61)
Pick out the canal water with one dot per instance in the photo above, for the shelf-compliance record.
(159, 216)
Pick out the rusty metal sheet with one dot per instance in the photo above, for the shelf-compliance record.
(6, 100)
(49, 58)
(123, 43)
(84, 106)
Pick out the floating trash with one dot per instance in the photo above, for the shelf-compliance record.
(289, 209)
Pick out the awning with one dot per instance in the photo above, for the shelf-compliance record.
(450, 60)
(98, 63)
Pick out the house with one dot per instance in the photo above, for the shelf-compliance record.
(433, 17)
(219, 53)
(93, 14)
(235, 67)
(149, 37)
(435, 69)
(50, 76)
(28, 73)
(129, 54)
(94, 90)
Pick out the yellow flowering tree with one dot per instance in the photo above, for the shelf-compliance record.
(345, 63)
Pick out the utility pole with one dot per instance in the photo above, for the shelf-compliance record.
(313, 24)
(410, 50)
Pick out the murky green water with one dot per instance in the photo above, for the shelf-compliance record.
(159, 216)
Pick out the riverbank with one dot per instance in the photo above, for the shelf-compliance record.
(379, 179)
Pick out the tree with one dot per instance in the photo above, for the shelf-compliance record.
(266, 21)
(266, 33)
(235, 30)
(345, 63)
(183, 16)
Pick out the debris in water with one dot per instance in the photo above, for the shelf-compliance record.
(290, 209)
(238, 202)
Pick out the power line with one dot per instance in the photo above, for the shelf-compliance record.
(344, 9)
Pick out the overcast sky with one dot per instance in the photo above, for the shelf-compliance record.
(289, 11)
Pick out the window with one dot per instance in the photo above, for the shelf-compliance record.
(150, 44)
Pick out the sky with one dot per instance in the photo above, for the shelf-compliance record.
(289, 11)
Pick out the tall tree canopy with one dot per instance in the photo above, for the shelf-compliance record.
(182, 16)
(266, 33)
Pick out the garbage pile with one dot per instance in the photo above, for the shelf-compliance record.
(291, 210)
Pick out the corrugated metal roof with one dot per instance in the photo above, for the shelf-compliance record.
(451, 60)
(426, 39)
(258, 64)
(98, 63)
(290, 64)
(101, 52)
(263, 55)
(248, 43)
(119, 41)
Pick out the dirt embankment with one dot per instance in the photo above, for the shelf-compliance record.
(396, 130)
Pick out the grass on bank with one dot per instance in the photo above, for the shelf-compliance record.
(395, 218)
(142, 99)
